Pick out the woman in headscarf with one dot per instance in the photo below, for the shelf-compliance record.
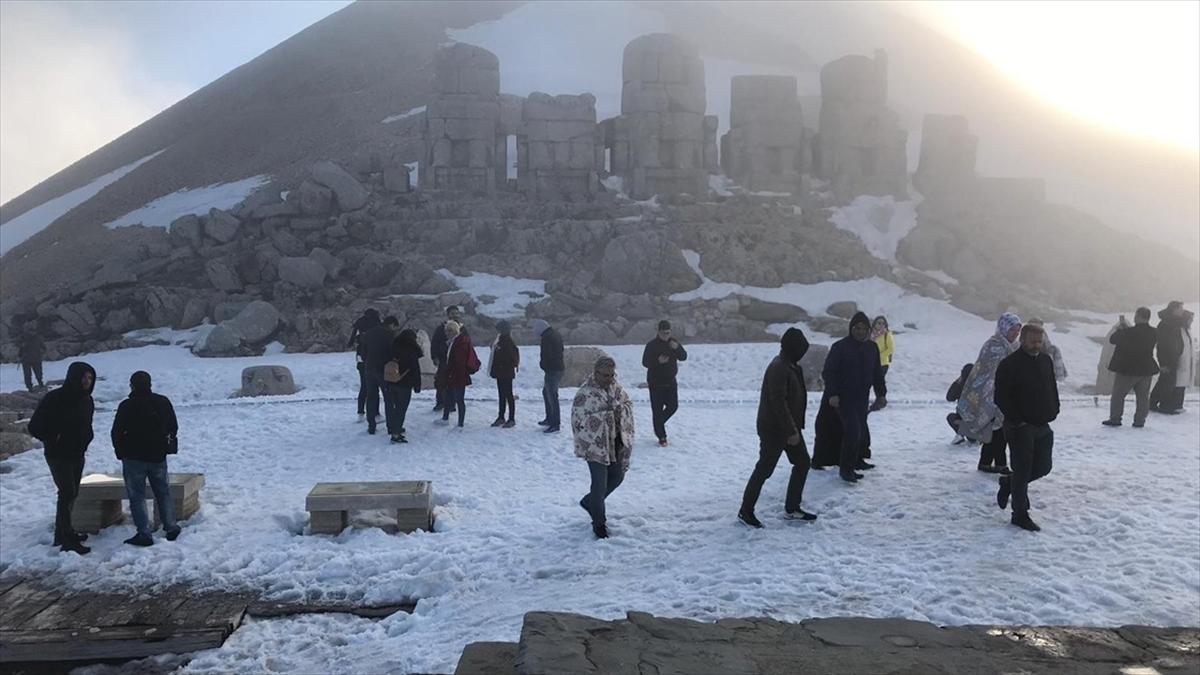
(980, 418)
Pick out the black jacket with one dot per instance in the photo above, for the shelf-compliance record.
(1170, 342)
(376, 345)
(955, 391)
(506, 359)
(782, 402)
(552, 352)
(438, 344)
(63, 418)
(1134, 354)
(662, 374)
(1026, 391)
(851, 370)
(142, 425)
(409, 358)
(31, 348)
(361, 325)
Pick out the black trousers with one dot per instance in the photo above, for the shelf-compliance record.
(439, 389)
(769, 451)
(66, 472)
(362, 389)
(504, 388)
(1166, 397)
(664, 402)
(30, 370)
(854, 429)
(373, 383)
(992, 452)
(396, 398)
(1032, 450)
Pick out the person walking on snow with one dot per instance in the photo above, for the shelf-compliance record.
(1134, 367)
(406, 380)
(143, 434)
(980, 419)
(553, 365)
(1027, 395)
(881, 333)
(851, 370)
(364, 323)
(503, 364)
(461, 363)
(377, 351)
(781, 406)
(602, 424)
(438, 349)
(661, 360)
(30, 351)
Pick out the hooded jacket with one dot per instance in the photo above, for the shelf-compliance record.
(783, 400)
(852, 369)
(142, 425)
(63, 418)
(551, 356)
(1170, 339)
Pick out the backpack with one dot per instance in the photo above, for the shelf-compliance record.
(391, 372)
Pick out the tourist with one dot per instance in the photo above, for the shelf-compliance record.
(437, 346)
(1051, 350)
(1027, 395)
(1175, 359)
(981, 420)
(602, 422)
(364, 323)
(1134, 367)
(30, 351)
(63, 423)
(781, 405)
(661, 360)
(952, 395)
(143, 434)
(377, 351)
(406, 380)
(852, 369)
(881, 333)
(553, 365)
(504, 362)
(461, 364)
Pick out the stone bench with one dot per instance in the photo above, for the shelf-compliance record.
(329, 504)
(99, 502)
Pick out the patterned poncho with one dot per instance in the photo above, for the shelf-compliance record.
(980, 415)
(595, 417)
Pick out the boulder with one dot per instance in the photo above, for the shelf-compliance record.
(222, 274)
(580, 362)
(118, 320)
(830, 325)
(315, 200)
(843, 310)
(376, 269)
(267, 381)
(221, 225)
(331, 263)
(220, 341)
(163, 308)
(592, 333)
(302, 271)
(256, 323)
(287, 243)
(771, 312)
(350, 194)
(645, 262)
(186, 231)
(193, 313)
(77, 318)
(812, 364)
(14, 443)
(224, 311)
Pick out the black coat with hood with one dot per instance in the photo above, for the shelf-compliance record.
(1170, 340)
(852, 369)
(784, 397)
(142, 425)
(63, 418)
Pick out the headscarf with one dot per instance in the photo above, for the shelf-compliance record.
(1007, 322)
(876, 332)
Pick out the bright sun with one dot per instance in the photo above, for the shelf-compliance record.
(1130, 65)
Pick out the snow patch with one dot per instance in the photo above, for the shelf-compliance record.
(180, 337)
(414, 172)
(404, 115)
(615, 184)
(941, 276)
(24, 226)
(880, 222)
(511, 294)
(190, 201)
(720, 185)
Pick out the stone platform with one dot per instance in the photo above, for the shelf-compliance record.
(100, 495)
(641, 643)
(329, 505)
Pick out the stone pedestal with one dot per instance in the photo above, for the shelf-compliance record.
(329, 504)
(99, 502)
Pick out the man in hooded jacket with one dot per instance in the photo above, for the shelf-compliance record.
(63, 423)
(364, 323)
(852, 369)
(781, 408)
(142, 437)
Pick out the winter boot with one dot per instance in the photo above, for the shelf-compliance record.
(1111, 423)
(75, 547)
(173, 533)
(499, 422)
(1024, 522)
(749, 519)
(601, 531)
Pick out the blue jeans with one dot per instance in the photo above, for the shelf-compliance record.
(136, 472)
(605, 479)
(550, 398)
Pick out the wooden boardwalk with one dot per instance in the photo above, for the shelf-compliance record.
(44, 624)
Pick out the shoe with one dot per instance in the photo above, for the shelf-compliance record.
(799, 514)
(544, 423)
(601, 531)
(1004, 470)
(362, 417)
(818, 467)
(509, 424)
(499, 422)
(863, 466)
(75, 547)
(851, 477)
(1177, 411)
(550, 430)
(662, 442)
(749, 519)
(395, 438)
(371, 429)
(857, 475)
(958, 440)
(173, 534)
(402, 438)
(1111, 423)
(1024, 522)
(140, 540)
(437, 408)
(1003, 493)
(1138, 425)
(987, 468)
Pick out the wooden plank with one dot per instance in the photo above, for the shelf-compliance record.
(129, 642)
(58, 614)
(7, 585)
(226, 610)
(159, 610)
(24, 602)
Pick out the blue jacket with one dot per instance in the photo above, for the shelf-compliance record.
(851, 370)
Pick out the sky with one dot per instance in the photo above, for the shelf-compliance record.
(75, 75)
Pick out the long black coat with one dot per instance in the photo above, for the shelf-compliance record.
(409, 358)
(377, 348)
(1170, 342)
(63, 418)
(142, 425)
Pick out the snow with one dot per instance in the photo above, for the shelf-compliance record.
(720, 185)
(940, 276)
(511, 294)
(404, 115)
(185, 337)
(615, 184)
(163, 211)
(24, 226)
(1121, 539)
(414, 172)
(880, 222)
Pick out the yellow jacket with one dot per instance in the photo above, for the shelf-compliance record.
(887, 347)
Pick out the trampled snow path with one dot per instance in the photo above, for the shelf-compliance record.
(920, 538)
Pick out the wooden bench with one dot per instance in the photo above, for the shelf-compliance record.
(329, 504)
(99, 502)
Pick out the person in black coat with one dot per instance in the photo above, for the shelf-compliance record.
(505, 361)
(63, 423)
(1134, 365)
(364, 323)
(952, 395)
(377, 351)
(852, 369)
(781, 406)
(552, 362)
(31, 350)
(1027, 394)
(661, 360)
(406, 354)
(438, 345)
(143, 434)
(1174, 354)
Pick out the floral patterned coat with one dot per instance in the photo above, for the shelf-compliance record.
(595, 417)
(980, 415)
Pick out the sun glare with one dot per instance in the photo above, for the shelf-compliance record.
(1130, 65)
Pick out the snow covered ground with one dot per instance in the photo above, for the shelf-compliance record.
(163, 211)
(880, 222)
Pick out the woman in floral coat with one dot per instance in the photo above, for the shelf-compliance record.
(981, 419)
(602, 422)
